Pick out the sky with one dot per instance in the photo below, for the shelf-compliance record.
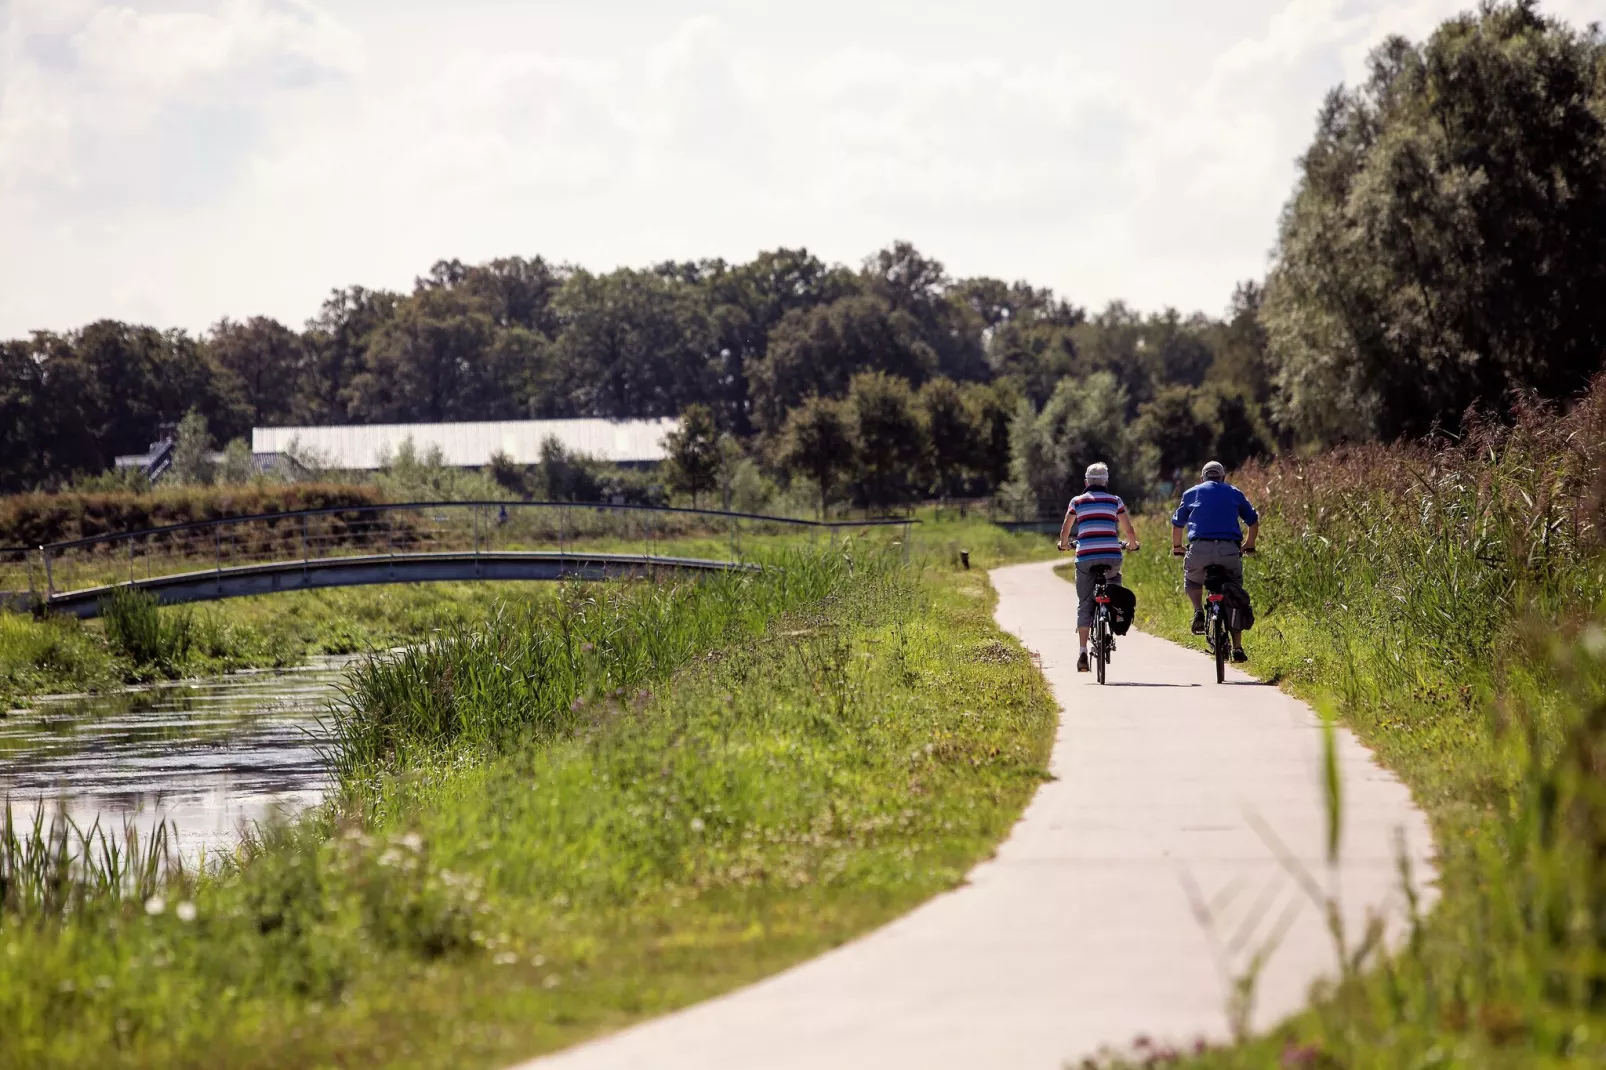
(174, 163)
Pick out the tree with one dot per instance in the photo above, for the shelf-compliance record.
(337, 344)
(819, 350)
(192, 451)
(1176, 423)
(1446, 243)
(995, 405)
(434, 359)
(267, 361)
(695, 459)
(1085, 421)
(238, 465)
(634, 345)
(955, 431)
(817, 442)
(892, 438)
(919, 287)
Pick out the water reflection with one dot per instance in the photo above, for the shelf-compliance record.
(206, 755)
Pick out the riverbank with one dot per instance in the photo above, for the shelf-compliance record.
(801, 780)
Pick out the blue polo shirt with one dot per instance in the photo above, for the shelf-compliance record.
(1212, 511)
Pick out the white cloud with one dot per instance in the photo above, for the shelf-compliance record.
(108, 108)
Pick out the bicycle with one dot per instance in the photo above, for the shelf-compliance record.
(1218, 637)
(1218, 633)
(1103, 639)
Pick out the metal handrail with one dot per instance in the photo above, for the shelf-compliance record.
(378, 507)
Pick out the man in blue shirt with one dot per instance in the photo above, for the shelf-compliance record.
(1209, 516)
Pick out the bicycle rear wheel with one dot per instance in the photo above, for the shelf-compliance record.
(1218, 631)
(1101, 651)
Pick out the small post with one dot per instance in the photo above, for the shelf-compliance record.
(217, 544)
(390, 534)
(563, 523)
(906, 529)
(476, 511)
(50, 580)
(130, 559)
(303, 542)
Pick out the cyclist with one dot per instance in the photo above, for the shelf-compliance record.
(1209, 515)
(1095, 521)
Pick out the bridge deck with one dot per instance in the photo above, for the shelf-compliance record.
(239, 580)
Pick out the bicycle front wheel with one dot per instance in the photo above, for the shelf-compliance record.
(1219, 631)
(1101, 645)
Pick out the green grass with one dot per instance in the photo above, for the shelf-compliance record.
(697, 805)
(1449, 606)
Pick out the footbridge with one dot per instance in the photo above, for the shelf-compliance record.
(410, 542)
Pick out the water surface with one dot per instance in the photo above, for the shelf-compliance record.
(205, 755)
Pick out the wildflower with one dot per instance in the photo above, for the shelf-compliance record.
(697, 824)
(185, 911)
(412, 841)
(505, 958)
(155, 905)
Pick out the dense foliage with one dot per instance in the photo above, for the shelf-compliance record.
(745, 344)
(1447, 242)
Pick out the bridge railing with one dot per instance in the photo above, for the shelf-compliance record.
(404, 528)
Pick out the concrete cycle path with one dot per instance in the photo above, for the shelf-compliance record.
(1087, 928)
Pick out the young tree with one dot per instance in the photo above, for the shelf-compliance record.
(817, 442)
(238, 466)
(192, 452)
(695, 459)
(891, 436)
(955, 432)
(1085, 421)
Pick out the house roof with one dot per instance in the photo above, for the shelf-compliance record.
(470, 445)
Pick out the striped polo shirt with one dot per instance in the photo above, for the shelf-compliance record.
(1098, 538)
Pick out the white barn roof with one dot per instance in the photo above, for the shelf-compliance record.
(470, 445)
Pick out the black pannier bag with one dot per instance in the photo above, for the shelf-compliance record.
(1240, 611)
(1123, 607)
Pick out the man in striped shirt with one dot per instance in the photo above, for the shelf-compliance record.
(1096, 522)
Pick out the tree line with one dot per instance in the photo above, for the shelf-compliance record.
(1444, 249)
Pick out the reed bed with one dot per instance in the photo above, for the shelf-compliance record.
(1448, 599)
(528, 672)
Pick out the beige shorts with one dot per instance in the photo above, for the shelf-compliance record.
(1201, 555)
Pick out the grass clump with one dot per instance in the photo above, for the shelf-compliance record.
(1449, 599)
(740, 772)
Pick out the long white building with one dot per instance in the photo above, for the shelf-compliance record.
(470, 445)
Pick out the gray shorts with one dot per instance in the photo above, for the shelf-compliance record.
(1084, 590)
(1201, 555)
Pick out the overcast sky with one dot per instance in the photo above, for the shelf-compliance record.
(176, 162)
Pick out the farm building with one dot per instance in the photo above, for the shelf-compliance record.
(634, 443)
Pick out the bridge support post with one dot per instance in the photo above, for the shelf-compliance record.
(50, 579)
(304, 574)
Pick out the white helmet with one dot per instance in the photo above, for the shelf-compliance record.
(1213, 471)
(1098, 473)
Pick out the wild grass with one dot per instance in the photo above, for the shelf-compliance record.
(1449, 599)
(738, 774)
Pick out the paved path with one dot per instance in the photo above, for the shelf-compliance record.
(1081, 932)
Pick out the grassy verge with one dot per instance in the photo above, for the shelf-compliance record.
(1448, 605)
(663, 822)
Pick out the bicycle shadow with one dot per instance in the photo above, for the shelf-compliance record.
(1142, 683)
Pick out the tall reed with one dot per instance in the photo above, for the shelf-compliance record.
(528, 673)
